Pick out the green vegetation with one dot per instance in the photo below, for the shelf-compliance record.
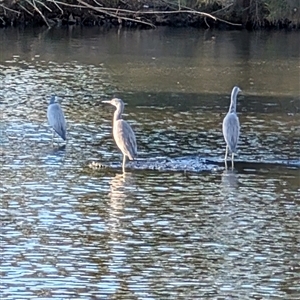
(279, 10)
(249, 14)
(260, 13)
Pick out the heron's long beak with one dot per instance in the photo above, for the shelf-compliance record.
(106, 101)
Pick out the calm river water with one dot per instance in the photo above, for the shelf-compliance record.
(72, 232)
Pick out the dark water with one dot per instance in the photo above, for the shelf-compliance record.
(72, 232)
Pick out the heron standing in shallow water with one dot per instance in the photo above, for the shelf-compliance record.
(231, 127)
(56, 118)
(122, 132)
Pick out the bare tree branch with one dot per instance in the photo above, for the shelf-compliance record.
(117, 13)
(67, 4)
(37, 9)
(43, 4)
(115, 16)
(10, 9)
(24, 8)
(52, 1)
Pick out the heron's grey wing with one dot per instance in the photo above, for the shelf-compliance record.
(57, 120)
(125, 138)
(231, 130)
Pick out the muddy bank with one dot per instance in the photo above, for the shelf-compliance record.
(224, 14)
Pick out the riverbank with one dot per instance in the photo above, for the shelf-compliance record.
(222, 14)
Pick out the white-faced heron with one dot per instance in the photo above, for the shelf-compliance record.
(122, 132)
(56, 118)
(231, 126)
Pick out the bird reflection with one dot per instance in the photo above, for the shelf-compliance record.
(229, 181)
(117, 257)
(117, 197)
(229, 195)
(120, 186)
(122, 256)
(117, 194)
(56, 155)
(59, 151)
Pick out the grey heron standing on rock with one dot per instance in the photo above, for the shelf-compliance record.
(56, 119)
(122, 132)
(231, 127)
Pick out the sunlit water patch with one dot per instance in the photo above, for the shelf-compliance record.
(146, 235)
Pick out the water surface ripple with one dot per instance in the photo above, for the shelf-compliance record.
(72, 232)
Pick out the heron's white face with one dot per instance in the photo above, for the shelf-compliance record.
(115, 102)
(237, 89)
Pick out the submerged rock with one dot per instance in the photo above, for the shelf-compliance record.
(189, 164)
(192, 164)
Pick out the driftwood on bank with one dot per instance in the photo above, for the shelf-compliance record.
(50, 12)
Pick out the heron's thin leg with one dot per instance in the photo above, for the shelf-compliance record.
(232, 159)
(124, 162)
(226, 152)
(225, 164)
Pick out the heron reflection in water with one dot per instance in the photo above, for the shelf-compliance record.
(231, 127)
(56, 119)
(122, 132)
(230, 180)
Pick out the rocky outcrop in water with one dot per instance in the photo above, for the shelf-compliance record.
(185, 164)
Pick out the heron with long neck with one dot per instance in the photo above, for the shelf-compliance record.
(231, 127)
(122, 132)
